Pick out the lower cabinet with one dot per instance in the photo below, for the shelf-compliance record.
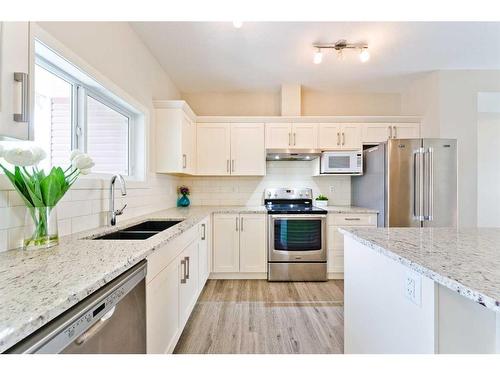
(239, 243)
(335, 240)
(176, 275)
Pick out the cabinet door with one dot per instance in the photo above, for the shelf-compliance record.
(188, 145)
(14, 57)
(330, 136)
(253, 243)
(248, 154)
(278, 135)
(162, 310)
(351, 136)
(376, 132)
(405, 131)
(304, 135)
(203, 254)
(213, 149)
(226, 243)
(188, 284)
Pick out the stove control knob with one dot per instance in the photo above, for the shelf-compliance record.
(275, 195)
(269, 194)
(301, 194)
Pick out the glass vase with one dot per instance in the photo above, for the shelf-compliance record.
(40, 228)
(183, 201)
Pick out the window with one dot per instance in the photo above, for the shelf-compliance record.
(73, 111)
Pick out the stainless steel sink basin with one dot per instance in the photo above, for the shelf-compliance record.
(140, 231)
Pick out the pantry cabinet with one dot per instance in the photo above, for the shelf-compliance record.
(14, 90)
(175, 138)
(340, 136)
(235, 149)
(335, 240)
(291, 135)
(239, 243)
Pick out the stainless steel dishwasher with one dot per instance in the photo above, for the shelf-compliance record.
(111, 320)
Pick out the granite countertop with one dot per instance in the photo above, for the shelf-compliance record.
(464, 260)
(36, 286)
(349, 210)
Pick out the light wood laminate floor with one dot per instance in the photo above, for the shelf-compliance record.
(255, 316)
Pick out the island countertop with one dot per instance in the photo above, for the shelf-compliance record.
(464, 260)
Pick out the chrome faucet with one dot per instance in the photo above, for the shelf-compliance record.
(112, 214)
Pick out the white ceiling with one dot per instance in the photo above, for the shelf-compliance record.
(216, 57)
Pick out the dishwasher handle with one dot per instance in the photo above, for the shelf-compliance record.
(94, 330)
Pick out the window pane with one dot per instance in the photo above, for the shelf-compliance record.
(107, 138)
(52, 117)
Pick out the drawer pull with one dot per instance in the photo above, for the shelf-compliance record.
(352, 219)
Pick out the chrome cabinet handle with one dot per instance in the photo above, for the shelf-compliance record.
(390, 132)
(338, 139)
(395, 132)
(227, 166)
(289, 139)
(352, 218)
(187, 262)
(232, 165)
(294, 139)
(241, 224)
(184, 278)
(343, 138)
(23, 79)
(204, 235)
(184, 161)
(236, 224)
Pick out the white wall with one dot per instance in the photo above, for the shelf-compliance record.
(448, 99)
(250, 190)
(115, 52)
(313, 103)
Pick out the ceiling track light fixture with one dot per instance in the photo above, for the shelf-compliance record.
(339, 47)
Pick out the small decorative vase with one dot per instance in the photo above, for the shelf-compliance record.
(40, 228)
(321, 204)
(183, 201)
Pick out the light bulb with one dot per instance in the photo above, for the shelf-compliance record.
(364, 55)
(318, 57)
(277, 157)
(340, 54)
(237, 24)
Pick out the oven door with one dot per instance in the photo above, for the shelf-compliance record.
(297, 238)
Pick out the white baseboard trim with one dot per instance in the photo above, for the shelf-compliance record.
(335, 275)
(237, 275)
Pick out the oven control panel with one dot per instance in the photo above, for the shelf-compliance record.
(288, 193)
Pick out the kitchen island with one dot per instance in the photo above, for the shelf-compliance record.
(422, 290)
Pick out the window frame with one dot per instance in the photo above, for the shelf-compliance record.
(80, 92)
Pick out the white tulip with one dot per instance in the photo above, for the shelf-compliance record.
(38, 154)
(85, 171)
(82, 162)
(74, 154)
(20, 157)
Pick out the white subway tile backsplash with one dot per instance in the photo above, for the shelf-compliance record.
(4, 198)
(15, 199)
(4, 240)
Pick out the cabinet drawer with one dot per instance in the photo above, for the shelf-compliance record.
(346, 220)
(161, 258)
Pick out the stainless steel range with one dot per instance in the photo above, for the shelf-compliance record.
(296, 236)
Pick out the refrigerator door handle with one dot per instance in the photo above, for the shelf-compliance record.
(430, 182)
(418, 184)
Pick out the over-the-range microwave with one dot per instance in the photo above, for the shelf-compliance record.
(342, 162)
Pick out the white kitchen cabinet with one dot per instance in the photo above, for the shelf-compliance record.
(253, 243)
(162, 311)
(226, 254)
(175, 137)
(380, 132)
(239, 243)
(291, 136)
(335, 240)
(14, 58)
(188, 281)
(204, 253)
(340, 136)
(213, 149)
(235, 149)
(248, 154)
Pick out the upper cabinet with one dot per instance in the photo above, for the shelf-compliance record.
(381, 132)
(231, 149)
(343, 136)
(14, 81)
(175, 138)
(291, 136)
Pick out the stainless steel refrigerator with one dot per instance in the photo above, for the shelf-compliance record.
(411, 182)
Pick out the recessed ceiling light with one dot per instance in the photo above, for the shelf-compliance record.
(318, 57)
(364, 55)
(277, 157)
(237, 24)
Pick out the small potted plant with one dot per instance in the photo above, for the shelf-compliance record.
(183, 200)
(321, 201)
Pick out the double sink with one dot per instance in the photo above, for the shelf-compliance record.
(140, 231)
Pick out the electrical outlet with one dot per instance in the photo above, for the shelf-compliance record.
(413, 287)
(332, 189)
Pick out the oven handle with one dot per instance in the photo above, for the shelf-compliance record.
(299, 216)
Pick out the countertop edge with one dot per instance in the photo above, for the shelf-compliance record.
(451, 284)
